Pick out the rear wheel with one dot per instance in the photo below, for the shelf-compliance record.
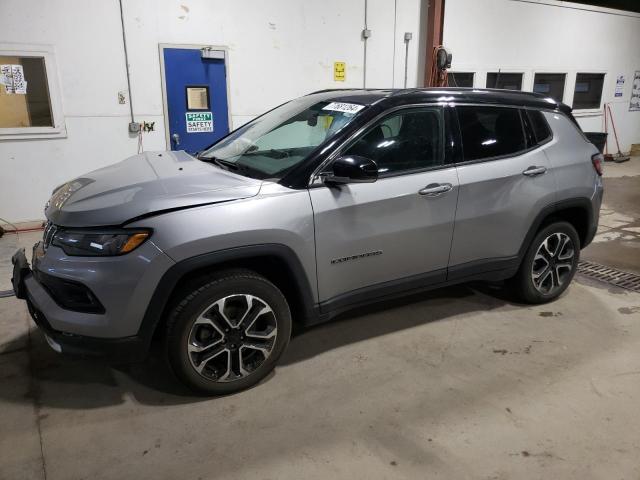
(228, 333)
(549, 264)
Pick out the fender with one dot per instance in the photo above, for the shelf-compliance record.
(170, 279)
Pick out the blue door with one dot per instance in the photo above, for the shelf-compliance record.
(196, 86)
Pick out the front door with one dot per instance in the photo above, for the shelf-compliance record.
(378, 238)
(197, 109)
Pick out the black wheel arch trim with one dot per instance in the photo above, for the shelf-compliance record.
(578, 202)
(171, 278)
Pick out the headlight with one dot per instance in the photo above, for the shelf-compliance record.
(99, 244)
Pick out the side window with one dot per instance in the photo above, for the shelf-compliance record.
(539, 125)
(490, 131)
(403, 141)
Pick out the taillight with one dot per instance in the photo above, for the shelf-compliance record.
(597, 160)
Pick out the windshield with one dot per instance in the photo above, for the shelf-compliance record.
(280, 139)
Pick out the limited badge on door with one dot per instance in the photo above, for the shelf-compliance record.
(198, 122)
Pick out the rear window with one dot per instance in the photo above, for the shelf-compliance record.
(490, 132)
(539, 125)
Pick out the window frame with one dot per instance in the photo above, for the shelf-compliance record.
(47, 53)
(591, 110)
(448, 155)
(547, 72)
(520, 109)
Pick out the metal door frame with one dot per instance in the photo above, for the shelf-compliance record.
(190, 46)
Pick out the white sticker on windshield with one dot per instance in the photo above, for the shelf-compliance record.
(344, 107)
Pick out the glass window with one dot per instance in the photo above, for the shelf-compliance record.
(460, 79)
(490, 131)
(588, 91)
(24, 93)
(539, 125)
(277, 141)
(197, 98)
(550, 84)
(505, 81)
(404, 141)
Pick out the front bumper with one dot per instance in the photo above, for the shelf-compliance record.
(82, 333)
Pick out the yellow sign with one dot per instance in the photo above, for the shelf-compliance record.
(339, 71)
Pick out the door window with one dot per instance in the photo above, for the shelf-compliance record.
(490, 131)
(197, 98)
(404, 141)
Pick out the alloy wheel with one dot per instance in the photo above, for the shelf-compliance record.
(553, 263)
(232, 337)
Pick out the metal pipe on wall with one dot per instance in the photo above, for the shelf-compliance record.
(365, 35)
(126, 62)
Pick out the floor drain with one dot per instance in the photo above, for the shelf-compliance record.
(619, 278)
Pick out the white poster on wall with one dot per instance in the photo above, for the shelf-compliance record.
(19, 83)
(6, 78)
(634, 105)
(619, 86)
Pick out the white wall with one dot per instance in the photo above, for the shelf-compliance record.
(553, 37)
(278, 49)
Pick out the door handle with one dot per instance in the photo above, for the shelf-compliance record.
(435, 189)
(533, 171)
(176, 139)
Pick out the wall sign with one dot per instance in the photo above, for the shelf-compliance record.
(634, 105)
(12, 77)
(339, 71)
(619, 86)
(198, 122)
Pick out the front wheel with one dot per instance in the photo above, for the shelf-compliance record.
(549, 264)
(228, 333)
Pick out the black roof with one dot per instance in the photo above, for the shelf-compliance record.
(392, 97)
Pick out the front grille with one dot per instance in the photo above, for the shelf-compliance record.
(612, 276)
(49, 231)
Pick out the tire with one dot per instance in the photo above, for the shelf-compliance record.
(549, 265)
(227, 332)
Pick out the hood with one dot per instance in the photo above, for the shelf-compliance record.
(144, 184)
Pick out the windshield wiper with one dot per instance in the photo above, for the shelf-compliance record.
(224, 164)
(277, 153)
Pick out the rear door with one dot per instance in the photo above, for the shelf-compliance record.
(375, 238)
(197, 110)
(505, 181)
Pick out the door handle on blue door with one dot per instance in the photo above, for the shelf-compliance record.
(176, 139)
(435, 189)
(532, 171)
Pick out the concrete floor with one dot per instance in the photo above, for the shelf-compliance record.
(458, 383)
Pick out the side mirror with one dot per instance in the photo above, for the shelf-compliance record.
(352, 169)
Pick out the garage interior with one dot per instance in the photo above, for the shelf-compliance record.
(458, 382)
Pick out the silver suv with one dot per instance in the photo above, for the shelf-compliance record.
(328, 202)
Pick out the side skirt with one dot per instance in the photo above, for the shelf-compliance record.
(483, 270)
